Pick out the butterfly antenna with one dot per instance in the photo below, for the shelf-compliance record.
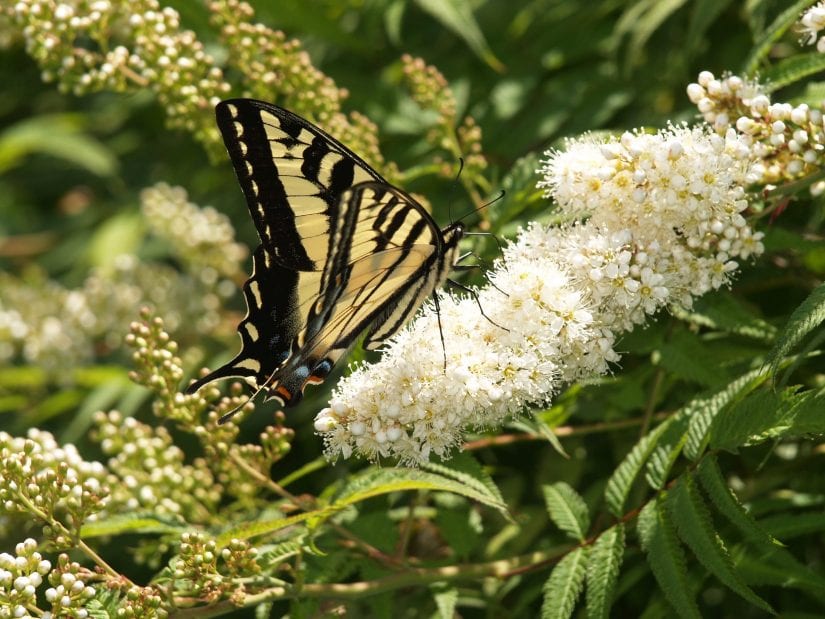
(453, 189)
(501, 194)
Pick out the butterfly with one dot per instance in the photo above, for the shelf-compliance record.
(343, 252)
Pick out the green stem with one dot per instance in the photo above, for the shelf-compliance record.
(79, 543)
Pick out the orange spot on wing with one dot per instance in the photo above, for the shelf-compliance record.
(283, 392)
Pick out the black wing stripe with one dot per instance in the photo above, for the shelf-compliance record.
(343, 252)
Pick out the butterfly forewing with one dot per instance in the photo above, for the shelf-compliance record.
(343, 253)
(293, 175)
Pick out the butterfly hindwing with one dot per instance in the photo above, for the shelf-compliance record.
(343, 252)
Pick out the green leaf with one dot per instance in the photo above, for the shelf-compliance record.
(603, 565)
(270, 557)
(248, 530)
(310, 467)
(791, 70)
(460, 527)
(537, 426)
(667, 450)
(393, 18)
(620, 482)
(567, 510)
(132, 523)
(666, 558)
(790, 525)
(458, 17)
(759, 416)
(60, 136)
(804, 319)
(780, 568)
(806, 416)
(642, 19)
(564, 586)
(722, 311)
(723, 498)
(703, 411)
(701, 18)
(465, 469)
(375, 482)
(118, 235)
(695, 527)
(519, 185)
(773, 33)
(687, 357)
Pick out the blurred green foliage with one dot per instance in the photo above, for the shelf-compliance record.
(529, 72)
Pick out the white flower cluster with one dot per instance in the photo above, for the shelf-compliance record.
(20, 576)
(201, 236)
(811, 22)
(38, 469)
(788, 140)
(664, 224)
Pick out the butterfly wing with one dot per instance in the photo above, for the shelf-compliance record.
(293, 176)
(342, 251)
(389, 258)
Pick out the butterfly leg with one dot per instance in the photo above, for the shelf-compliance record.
(494, 237)
(468, 267)
(474, 294)
(440, 329)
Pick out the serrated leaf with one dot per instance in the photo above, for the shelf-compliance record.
(375, 482)
(458, 17)
(807, 417)
(666, 558)
(773, 33)
(780, 568)
(248, 530)
(804, 319)
(620, 482)
(761, 415)
(464, 468)
(562, 589)
(132, 523)
(666, 451)
(702, 411)
(567, 510)
(270, 557)
(603, 563)
(724, 312)
(791, 70)
(695, 527)
(537, 426)
(723, 498)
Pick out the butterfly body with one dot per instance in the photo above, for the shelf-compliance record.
(343, 252)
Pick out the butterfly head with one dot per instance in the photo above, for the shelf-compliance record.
(452, 236)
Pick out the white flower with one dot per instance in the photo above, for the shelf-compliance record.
(811, 22)
(657, 207)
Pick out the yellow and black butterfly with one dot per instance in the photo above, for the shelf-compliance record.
(342, 252)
